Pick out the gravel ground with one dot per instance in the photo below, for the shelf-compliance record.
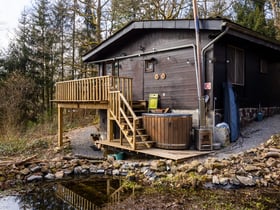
(82, 143)
(252, 135)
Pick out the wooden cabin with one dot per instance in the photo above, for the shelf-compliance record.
(238, 79)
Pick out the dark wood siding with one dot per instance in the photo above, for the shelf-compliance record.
(259, 88)
(179, 89)
(219, 74)
(133, 68)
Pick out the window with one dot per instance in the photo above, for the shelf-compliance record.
(235, 65)
(263, 66)
(150, 65)
(110, 69)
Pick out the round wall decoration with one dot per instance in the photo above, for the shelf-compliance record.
(163, 76)
(156, 76)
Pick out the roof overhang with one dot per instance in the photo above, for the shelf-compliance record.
(148, 25)
(218, 25)
(249, 35)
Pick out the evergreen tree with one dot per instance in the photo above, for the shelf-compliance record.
(17, 54)
(62, 25)
(251, 14)
(42, 46)
(87, 31)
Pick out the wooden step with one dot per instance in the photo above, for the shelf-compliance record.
(128, 117)
(145, 142)
(141, 131)
(125, 126)
(142, 136)
(138, 136)
(138, 122)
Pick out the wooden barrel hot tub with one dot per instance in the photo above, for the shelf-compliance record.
(170, 130)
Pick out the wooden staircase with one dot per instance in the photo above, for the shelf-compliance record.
(132, 132)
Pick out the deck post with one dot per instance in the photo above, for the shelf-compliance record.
(109, 126)
(60, 126)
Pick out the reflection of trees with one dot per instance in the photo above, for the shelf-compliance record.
(42, 198)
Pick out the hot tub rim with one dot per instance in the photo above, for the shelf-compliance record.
(167, 114)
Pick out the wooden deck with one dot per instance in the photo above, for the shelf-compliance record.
(176, 155)
(114, 94)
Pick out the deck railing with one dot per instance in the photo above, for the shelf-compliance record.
(74, 199)
(92, 89)
(121, 110)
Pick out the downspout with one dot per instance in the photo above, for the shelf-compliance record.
(211, 43)
(203, 52)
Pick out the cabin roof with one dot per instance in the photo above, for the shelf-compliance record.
(219, 25)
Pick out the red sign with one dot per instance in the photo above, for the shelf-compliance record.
(207, 86)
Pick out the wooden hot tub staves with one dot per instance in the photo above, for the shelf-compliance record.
(170, 130)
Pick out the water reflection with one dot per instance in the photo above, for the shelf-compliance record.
(87, 194)
(91, 194)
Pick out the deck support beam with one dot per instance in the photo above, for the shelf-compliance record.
(60, 126)
(109, 126)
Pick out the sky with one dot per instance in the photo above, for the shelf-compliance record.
(10, 12)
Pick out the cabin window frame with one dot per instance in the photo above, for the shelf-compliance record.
(236, 65)
(263, 66)
(112, 66)
(150, 65)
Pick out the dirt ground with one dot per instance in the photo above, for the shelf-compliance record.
(251, 136)
(82, 143)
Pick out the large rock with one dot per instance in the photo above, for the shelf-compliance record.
(59, 174)
(250, 168)
(247, 181)
(272, 154)
(34, 178)
(35, 169)
(271, 162)
(201, 169)
(49, 176)
(25, 171)
(158, 165)
(215, 179)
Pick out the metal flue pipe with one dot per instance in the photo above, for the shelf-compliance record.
(201, 102)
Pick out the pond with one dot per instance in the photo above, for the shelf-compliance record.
(116, 193)
(87, 193)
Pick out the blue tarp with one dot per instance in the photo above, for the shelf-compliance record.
(231, 113)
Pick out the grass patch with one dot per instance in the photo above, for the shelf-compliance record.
(12, 146)
(22, 146)
(37, 138)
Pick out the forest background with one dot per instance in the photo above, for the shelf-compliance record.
(52, 36)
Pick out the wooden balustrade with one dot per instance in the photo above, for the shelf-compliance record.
(94, 89)
(120, 110)
(75, 200)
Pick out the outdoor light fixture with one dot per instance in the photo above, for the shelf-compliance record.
(211, 60)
